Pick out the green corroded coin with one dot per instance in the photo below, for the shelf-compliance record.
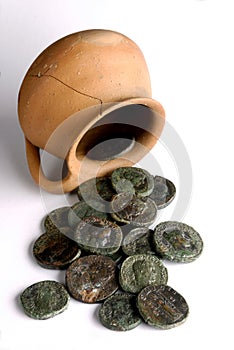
(98, 236)
(162, 307)
(135, 180)
(56, 219)
(176, 241)
(164, 192)
(44, 299)
(141, 270)
(119, 312)
(92, 278)
(138, 241)
(54, 250)
(81, 210)
(133, 210)
(96, 189)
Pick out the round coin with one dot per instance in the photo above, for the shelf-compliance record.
(44, 299)
(119, 312)
(54, 250)
(162, 307)
(111, 148)
(138, 241)
(96, 189)
(141, 270)
(81, 210)
(163, 193)
(56, 219)
(133, 210)
(92, 278)
(140, 180)
(98, 236)
(176, 241)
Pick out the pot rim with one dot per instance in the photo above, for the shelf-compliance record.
(93, 168)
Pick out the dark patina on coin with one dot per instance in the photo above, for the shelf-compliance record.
(54, 250)
(141, 270)
(176, 241)
(138, 241)
(164, 192)
(162, 307)
(44, 299)
(98, 236)
(135, 180)
(81, 210)
(56, 219)
(96, 189)
(119, 312)
(92, 278)
(111, 147)
(133, 210)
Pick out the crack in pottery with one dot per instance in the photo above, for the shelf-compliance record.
(40, 75)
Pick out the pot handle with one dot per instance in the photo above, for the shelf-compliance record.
(34, 163)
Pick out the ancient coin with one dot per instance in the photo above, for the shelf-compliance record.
(133, 210)
(54, 250)
(56, 219)
(119, 312)
(162, 307)
(96, 189)
(125, 186)
(141, 270)
(111, 148)
(81, 210)
(176, 241)
(98, 236)
(92, 278)
(164, 192)
(44, 299)
(129, 179)
(138, 241)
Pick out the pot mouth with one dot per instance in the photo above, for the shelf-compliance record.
(141, 130)
(115, 133)
(120, 136)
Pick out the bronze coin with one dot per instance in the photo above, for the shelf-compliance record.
(133, 210)
(162, 307)
(177, 241)
(81, 210)
(131, 179)
(44, 299)
(141, 270)
(92, 278)
(96, 189)
(119, 312)
(98, 236)
(138, 241)
(54, 250)
(56, 219)
(164, 192)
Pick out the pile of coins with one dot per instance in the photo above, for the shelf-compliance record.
(112, 256)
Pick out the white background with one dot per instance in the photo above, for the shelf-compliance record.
(188, 46)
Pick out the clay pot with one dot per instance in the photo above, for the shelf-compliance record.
(85, 88)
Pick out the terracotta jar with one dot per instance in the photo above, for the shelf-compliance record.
(86, 88)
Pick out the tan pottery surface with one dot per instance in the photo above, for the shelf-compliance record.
(75, 83)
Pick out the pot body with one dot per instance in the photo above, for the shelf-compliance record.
(70, 98)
